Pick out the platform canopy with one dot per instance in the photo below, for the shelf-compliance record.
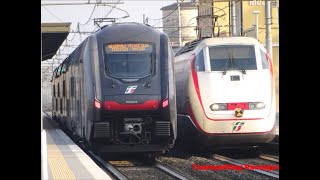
(53, 35)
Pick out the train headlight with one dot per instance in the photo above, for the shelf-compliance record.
(218, 107)
(256, 105)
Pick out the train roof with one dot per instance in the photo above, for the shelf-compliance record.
(132, 26)
(229, 40)
(126, 32)
(190, 46)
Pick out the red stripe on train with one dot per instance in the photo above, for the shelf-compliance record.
(148, 105)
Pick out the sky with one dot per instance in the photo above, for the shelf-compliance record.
(81, 14)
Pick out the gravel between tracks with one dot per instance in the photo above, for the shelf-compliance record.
(144, 173)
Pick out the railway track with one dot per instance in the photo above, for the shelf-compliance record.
(108, 167)
(123, 172)
(270, 173)
(137, 170)
(162, 170)
(172, 172)
(269, 157)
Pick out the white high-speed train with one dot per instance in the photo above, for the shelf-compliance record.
(225, 92)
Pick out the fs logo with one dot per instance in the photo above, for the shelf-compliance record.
(237, 126)
(130, 89)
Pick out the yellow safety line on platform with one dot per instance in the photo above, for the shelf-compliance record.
(58, 166)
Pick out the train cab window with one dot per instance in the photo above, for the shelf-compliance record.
(264, 60)
(232, 57)
(129, 60)
(199, 64)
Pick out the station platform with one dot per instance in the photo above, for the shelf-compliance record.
(62, 159)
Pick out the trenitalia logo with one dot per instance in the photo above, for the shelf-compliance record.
(237, 126)
(130, 89)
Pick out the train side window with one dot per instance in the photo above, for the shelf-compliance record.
(61, 106)
(67, 64)
(199, 64)
(54, 91)
(59, 71)
(64, 88)
(68, 108)
(56, 105)
(264, 60)
(55, 73)
(58, 90)
(63, 67)
(72, 87)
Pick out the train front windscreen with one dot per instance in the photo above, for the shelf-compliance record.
(233, 57)
(129, 60)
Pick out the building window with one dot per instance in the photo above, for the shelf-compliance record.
(274, 3)
(278, 16)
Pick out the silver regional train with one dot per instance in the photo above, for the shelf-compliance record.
(225, 92)
(116, 90)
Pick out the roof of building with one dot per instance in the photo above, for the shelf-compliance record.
(185, 5)
(53, 35)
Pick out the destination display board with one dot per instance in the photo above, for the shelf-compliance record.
(128, 47)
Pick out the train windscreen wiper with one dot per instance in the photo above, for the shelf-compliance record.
(226, 67)
(232, 61)
(240, 67)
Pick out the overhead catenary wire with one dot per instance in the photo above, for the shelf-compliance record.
(58, 55)
(165, 16)
(90, 16)
(109, 12)
(52, 14)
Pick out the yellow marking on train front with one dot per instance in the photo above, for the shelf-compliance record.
(58, 166)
